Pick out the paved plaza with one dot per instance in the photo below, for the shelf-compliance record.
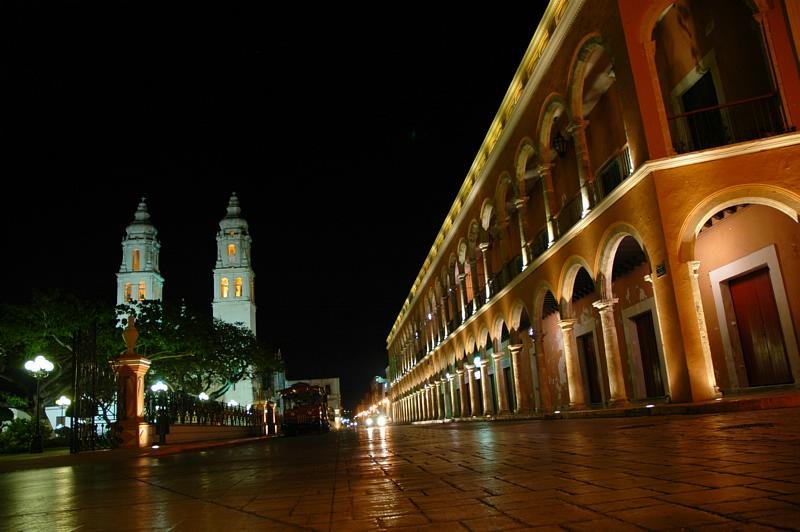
(733, 471)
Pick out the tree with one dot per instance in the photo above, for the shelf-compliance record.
(61, 326)
(195, 353)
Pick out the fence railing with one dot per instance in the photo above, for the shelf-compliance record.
(181, 408)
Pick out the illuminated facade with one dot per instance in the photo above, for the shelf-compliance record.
(234, 297)
(628, 231)
(139, 276)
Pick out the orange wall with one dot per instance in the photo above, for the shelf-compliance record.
(735, 237)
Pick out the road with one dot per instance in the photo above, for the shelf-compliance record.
(718, 471)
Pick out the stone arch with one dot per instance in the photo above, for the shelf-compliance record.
(538, 301)
(525, 151)
(516, 313)
(470, 346)
(586, 53)
(778, 198)
(505, 186)
(604, 261)
(487, 211)
(554, 106)
(497, 328)
(568, 274)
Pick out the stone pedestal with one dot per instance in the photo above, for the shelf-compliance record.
(131, 369)
(135, 432)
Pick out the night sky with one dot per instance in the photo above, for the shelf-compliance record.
(346, 134)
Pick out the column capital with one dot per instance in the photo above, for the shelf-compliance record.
(497, 356)
(605, 305)
(577, 125)
(515, 348)
(520, 202)
(459, 372)
(462, 276)
(567, 324)
(544, 169)
(484, 247)
(469, 367)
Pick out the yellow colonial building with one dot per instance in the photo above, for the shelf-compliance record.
(628, 231)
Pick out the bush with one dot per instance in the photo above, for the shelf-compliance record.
(17, 435)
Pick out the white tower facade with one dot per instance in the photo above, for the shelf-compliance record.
(139, 277)
(234, 283)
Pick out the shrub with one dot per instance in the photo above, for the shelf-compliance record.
(17, 435)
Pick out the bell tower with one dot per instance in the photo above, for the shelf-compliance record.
(139, 277)
(234, 298)
(233, 275)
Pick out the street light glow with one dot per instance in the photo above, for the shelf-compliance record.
(203, 396)
(159, 387)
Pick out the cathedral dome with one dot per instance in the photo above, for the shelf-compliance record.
(233, 220)
(141, 226)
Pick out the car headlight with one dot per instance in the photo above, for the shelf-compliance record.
(381, 421)
(370, 421)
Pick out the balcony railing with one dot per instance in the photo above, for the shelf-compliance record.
(719, 125)
(569, 214)
(612, 173)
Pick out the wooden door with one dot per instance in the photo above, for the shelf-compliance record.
(759, 326)
(648, 348)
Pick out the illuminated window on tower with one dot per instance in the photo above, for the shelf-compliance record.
(238, 287)
(136, 264)
(141, 290)
(231, 252)
(223, 287)
(128, 291)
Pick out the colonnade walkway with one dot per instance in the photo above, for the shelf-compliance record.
(732, 470)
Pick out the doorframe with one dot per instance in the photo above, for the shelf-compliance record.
(586, 326)
(726, 318)
(635, 352)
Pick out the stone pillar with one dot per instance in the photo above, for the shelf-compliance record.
(462, 289)
(486, 388)
(616, 380)
(578, 131)
(522, 378)
(440, 399)
(462, 396)
(706, 374)
(546, 171)
(546, 398)
(577, 398)
(443, 308)
(484, 247)
(473, 392)
(453, 395)
(500, 380)
(131, 369)
(519, 203)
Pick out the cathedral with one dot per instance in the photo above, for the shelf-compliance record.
(139, 277)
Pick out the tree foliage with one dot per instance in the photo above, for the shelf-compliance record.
(189, 351)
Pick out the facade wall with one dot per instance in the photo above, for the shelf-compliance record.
(538, 218)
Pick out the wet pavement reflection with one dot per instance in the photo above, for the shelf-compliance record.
(735, 470)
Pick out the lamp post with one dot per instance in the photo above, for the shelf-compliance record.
(63, 402)
(39, 367)
(162, 423)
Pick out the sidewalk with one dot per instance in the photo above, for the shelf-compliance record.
(784, 398)
(62, 457)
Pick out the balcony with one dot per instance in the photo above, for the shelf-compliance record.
(720, 125)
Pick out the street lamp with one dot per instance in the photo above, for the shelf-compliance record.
(63, 402)
(162, 423)
(39, 367)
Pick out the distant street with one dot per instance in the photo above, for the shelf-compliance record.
(723, 471)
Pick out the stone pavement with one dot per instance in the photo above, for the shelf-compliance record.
(726, 471)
